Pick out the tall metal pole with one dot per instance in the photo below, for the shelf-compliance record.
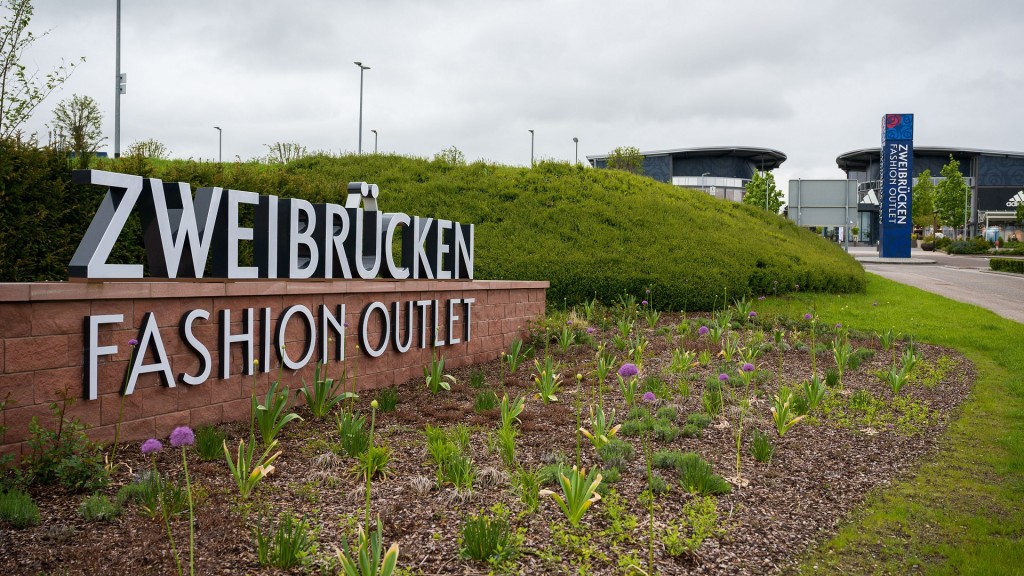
(531, 148)
(374, 141)
(361, 69)
(576, 141)
(702, 181)
(117, 87)
(220, 146)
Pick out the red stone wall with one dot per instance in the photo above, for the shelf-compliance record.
(42, 345)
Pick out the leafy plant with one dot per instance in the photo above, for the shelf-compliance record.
(449, 452)
(17, 509)
(616, 453)
(355, 439)
(209, 442)
(64, 455)
(842, 351)
(696, 476)
(99, 507)
(711, 400)
(579, 492)
(699, 522)
(248, 470)
(434, 375)
(323, 396)
(373, 462)
(287, 545)
(605, 363)
(485, 401)
(387, 399)
(526, 484)
(895, 377)
(547, 380)
(814, 391)
(270, 415)
(510, 411)
(761, 447)
(782, 412)
(506, 444)
(364, 557)
(682, 361)
(517, 354)
(487, 538)
(565, 337)
(604, 427)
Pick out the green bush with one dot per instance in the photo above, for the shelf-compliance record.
(18, 509)
(487, 538)
(1007, 265)
(590, 233)
(99, 508)
(972, 246)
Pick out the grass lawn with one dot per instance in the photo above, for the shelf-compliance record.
(963, 511)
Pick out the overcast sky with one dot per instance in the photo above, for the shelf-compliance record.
(810, 78)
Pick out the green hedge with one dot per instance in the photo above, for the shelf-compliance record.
(1007, 265)
(591, 233)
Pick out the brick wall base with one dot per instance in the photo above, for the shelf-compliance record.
(44, 341)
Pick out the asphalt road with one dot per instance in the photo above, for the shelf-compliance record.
(962, 278)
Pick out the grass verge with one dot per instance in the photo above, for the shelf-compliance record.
(963, 510)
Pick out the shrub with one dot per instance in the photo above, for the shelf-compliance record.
(64, 455)
(616, 453)
(972, 246)
(17, 509)
(99, 507)
(1007, 265)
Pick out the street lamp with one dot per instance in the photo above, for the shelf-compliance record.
(361, 69)
(119, 86)
(702, 181)
(576, 141)
(531, 148)
(220, 144)
(374, 141)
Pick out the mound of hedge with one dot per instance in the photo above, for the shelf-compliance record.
(1007, 265)
(591, 233)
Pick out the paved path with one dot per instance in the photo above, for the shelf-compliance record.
(961, 278)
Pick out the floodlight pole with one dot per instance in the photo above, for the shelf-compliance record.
(531, 148)
(220, 144)
(576, 141)
(361, 69)
(117, 86)
(703, 186)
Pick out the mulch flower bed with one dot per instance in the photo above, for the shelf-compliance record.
(862, 438)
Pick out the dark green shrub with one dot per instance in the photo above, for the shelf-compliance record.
(17, 509)
(64, 455)
(1007, 265)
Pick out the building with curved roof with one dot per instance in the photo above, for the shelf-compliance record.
(995, 178)
(720, 171)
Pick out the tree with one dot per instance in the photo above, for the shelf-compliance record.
(626, 158)
(952, 195)
(923, 199)
(1020, 213)
(148, 149)
(22, 91)
(451, 156)
(78, 122)
(763, 183)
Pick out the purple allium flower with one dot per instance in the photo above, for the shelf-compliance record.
(628, 370)
(723, 377)
(133, 342)
(591, 330)
(703, 331)
(568, 322)
(752, 314)
(748, 367)
(151, 446)
(182, 436)
(808, 316)
(649, 396)
(644, 302)
(760, 297)
(648, 291)
(838, 326)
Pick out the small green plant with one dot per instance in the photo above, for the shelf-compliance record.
(605, 363)
(487, 538)
(565, 337)
(782, 411)
(699, 419)
(682, 361)
(449, 452)
(730, 346)
(814, 391)
(895, 377)
(888, 339)
(99, 508)
(761, 447)
(665, 431)
(517, 354)
(364, 557)
(711, 400)
(704, 358)
(323, 395)
(477, 379)
(387, 399)
(373, 462)
(287, 545)
(699, 523)
(526, 485)
(696, 476)
(579, 492)
(485, 401)
(616, 453)
(209, 442)
(17, 509)
(604, 427)
(270, 415)
(434, 374)
(64, 455)
(658, 485)
(832, 378)
(842, 351)
(248, 470)
(146, 492)
(355, 439)
(510, 411)
(506, 444)
(547, 380)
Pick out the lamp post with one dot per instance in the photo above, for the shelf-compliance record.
(702, 181)
(220, 144)
(118, 86)
(531, 148)
(374, 141)
(576, 141)
(361, 70)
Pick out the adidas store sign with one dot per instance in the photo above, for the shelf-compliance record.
(1017, 200)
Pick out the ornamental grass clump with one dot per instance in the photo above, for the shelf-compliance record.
(579, 493)
(487, 538)
(17, 509)
(287, 545)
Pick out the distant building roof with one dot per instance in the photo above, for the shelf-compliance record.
(771, 159)
(860, 159)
